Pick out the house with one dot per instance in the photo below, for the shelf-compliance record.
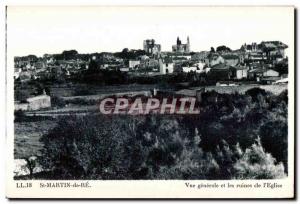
(266, 50)
(200, 56)
(148, 64)
(192, 69)
(39, 65)
(191, 66)
(253, 47)
(34, 103)
(269, 76)
(270, 73)
(49, 59)
(231, 59)
(241, 72)
(274, 49)
(215, 59)
(26, 61)
(134, 63)
(269, 80)
(56, 71)
(143, 57)
(178, 57)
(25, 76)
(39, 102)
(256, 56)
(255, 73)
(256, 65)
(219, 72)
(166, 66)
(43, 75)
(227, 72)
(240, 54)
(17, 72)
(282, 81)
(259, 74)
(124, 69)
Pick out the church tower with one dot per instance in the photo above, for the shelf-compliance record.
(178, 41)
(188, 44)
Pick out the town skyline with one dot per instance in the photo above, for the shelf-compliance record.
(40, 30)
(141, 48)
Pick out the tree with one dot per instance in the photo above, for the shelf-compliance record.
(69, 54)
(125, 50)
(84, 147)
(274, 139)
(93, 66)
(223, 48)
(219, 143)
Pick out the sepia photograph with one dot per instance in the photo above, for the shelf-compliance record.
(151, 94)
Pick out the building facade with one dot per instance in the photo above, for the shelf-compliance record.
(134, 63)
(181, 48)
(166, 66)
(150, 47)
(34, 103)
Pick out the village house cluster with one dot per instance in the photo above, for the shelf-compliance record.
(264, 63)
(256, 62)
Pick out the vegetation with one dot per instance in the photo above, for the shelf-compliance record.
(234, 137)
(223, 48)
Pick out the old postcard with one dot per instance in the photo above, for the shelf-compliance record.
(150, 102)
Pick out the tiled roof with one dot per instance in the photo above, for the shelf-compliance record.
(257, 70)
(167, 60)
(274, 44)
(220, 66)
(230, 56)
(239, 67)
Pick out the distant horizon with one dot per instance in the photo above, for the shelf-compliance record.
(51, 30)
(105, 51)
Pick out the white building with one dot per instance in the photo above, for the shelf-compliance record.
(34, 103)
(166, 66)
(134, 63)
(17, 72)
(241, 73)
(196, 67)
(270, 73)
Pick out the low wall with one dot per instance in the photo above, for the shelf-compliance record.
(275, 89)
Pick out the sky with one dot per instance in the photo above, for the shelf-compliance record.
(40, 30)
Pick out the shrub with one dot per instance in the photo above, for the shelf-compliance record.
(274, 139)
(81, 147)
(216, 144)
(58, 102)
(83, 91)
(255, 163)
(19, 115)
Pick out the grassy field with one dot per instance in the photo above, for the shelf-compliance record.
(27, 135)
(70, 91)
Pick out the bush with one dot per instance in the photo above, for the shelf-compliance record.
(81, 147)
(83, 101)
(19, 114)
(219, 143)
(255, 93)
(255, 163)
(274, 139)
(58, 102)
(83, 91)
